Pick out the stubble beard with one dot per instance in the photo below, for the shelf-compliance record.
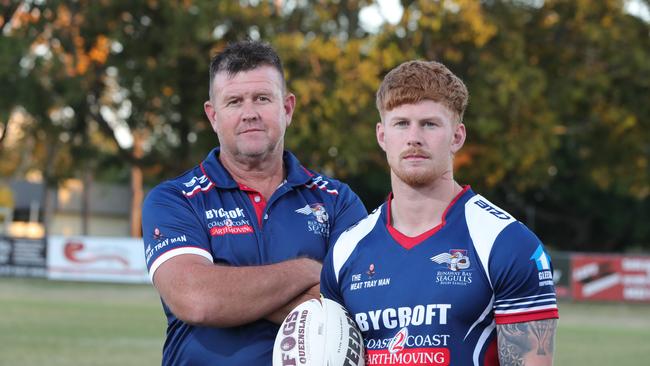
(415, 178)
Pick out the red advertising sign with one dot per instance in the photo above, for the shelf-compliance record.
(610, 277)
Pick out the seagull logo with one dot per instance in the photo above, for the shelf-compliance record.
(455, 259)
(316, 209)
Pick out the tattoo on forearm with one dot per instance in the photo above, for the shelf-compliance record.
(513, 343)
(517, 340)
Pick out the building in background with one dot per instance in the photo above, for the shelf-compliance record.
(6, 207)
(102, 210)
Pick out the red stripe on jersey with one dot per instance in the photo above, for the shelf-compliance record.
(307, 171)
(526, 317)
(491, 355)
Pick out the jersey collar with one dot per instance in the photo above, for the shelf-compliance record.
(220, 177)
(409, 242)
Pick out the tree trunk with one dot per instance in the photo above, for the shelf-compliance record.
(48, 184)
(85, 201)
(137, 192)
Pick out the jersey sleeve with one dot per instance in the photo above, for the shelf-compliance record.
(521, 274)
(349, 211)
(171, 227)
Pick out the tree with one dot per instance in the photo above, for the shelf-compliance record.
(556, 115)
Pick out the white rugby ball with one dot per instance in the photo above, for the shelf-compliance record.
(318, 333)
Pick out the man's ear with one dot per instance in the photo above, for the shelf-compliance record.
(379, 129)
(211, 113)
(289, 106)
(458, 138)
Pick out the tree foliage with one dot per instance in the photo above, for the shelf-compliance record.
(557, 127)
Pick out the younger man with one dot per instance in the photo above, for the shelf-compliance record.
(439, 275)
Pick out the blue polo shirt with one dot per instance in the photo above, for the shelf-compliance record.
(205, 212)
(436, 299)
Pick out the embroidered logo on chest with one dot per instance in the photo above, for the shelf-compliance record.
(457, 263)
(318, 221)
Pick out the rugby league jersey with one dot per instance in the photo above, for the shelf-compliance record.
(435, 299)
(205, 212)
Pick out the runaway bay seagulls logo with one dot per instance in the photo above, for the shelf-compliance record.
(320, 225)
(543, 263)
(455, 259)
(457, 262)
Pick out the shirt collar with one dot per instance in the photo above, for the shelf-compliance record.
(220, 177)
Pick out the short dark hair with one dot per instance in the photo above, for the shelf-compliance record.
(245, 56)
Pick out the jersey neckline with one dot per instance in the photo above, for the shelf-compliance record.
(408, 242)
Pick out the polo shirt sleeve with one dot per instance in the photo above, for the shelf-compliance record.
(171, 227)
(349, 210)
(521, 273)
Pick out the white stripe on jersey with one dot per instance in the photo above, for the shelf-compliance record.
(174, 252)
(481, 342)
(548, 298)
(346, 243)
(484, 226)
(488, 310)
(526, 298)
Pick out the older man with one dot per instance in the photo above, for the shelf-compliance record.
(235, 243)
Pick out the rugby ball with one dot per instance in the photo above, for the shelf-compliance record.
(318, 333)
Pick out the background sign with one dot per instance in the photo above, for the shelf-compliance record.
(96, 259)
(610, 277)
(561, 273)
(22, 257)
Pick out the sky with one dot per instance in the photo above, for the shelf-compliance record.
(374, 15)
(391, 11)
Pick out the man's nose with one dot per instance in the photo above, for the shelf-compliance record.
(249, 112)
(414, 136)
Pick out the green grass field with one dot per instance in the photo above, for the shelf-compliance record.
(68, 324)
(63, 323)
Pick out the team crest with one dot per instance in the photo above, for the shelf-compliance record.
(320, 225)
(316, 209)
(456, 262)
(456, 259)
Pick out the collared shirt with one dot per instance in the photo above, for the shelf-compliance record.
(206, 212)
(435, 299)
